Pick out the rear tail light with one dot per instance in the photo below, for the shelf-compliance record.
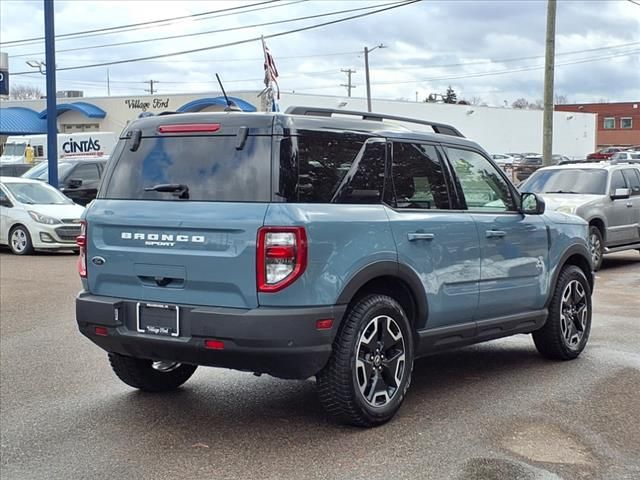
(81, 242)
(282, 257)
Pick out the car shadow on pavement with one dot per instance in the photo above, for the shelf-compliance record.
(618, 261)
(237, 407)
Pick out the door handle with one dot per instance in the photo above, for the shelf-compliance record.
(496, 233)
(413, 236)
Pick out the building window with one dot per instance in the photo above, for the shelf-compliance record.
(82, 127)
(609, 123)
(626, 122)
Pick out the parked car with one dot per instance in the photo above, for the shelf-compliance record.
(604, 153)
(502, 159)
(625, 156)
(78, 179)
(606, 195)
(34, 215)
(13, 169)
(525, 167)
(303, 244)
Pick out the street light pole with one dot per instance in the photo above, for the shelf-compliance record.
(366, 72)
(52, 117)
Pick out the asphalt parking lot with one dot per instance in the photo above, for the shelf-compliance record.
(491, 411)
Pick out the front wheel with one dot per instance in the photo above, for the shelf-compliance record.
(369, 372)
(20, 241)
(566, 332)
(150, 376)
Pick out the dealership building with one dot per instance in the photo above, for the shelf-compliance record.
(496, 129)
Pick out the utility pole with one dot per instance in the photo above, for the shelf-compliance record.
(52, 115)
(349, 85)
(151, 90)
(549, 65)
(108, 84)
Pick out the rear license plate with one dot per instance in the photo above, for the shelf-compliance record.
(158, 319)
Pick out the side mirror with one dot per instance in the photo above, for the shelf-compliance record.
(5, 202)
(74, 183)
(532, 204)
(620, 193)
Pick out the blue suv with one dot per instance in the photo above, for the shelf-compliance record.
(316, 244)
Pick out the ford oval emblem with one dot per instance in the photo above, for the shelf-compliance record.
(98, 261)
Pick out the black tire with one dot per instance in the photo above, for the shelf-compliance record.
(339, 383)
(139, 373)
(551, 340)
(25, 245)
(596, 246)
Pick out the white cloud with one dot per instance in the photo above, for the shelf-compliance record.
(421, 38)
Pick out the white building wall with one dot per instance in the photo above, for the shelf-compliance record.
(498, 130)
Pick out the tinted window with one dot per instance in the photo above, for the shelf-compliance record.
(3, 197)
(210, 167)
(88, 173)
(633, 180)
(319, 167)
(483, 187)
(570, 180)
(418, 179)
(617, 181)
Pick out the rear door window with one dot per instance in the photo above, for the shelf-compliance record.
(617, 181)
(633, 180)
(87, 172)
(323, 167)
(418, 178)
(211, 169)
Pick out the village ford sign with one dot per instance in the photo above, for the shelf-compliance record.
(144, 105)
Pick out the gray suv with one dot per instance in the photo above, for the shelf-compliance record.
(605, 194)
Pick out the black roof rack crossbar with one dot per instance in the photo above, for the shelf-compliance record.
(441, 128)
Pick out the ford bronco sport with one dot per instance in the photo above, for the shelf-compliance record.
(309, 244)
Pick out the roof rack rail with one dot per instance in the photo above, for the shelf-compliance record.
(441, 128)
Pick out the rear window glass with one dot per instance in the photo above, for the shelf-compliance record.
(322, 167)
(205, 168)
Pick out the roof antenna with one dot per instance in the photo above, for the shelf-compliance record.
(231, 106)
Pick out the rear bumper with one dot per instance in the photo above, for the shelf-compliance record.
(282, 342)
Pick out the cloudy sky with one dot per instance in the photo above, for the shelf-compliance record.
(490, 50)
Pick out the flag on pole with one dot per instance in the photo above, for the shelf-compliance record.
(271, 93)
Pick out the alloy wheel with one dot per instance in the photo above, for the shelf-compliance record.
(380, 361)
(595, 245)
(19, 240)
(574, 314)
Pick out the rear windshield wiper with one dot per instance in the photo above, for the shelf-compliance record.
(179, 188)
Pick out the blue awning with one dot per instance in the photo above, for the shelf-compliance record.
(202, 103)
(21, 121)
(88, 109)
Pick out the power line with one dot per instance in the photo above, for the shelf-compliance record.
(136, 26)
(185, 35)
(486, 74)
(239, 42)
(635, 3)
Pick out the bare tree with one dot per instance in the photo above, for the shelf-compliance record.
(537, 105)
(560, 100)
(475, 101)
(25, 92)
(521, 103)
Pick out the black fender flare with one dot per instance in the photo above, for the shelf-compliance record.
(570, 252)
(389, 268)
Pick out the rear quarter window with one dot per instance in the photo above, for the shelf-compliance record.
(210, 167)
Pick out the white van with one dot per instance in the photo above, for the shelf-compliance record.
(70, 145)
